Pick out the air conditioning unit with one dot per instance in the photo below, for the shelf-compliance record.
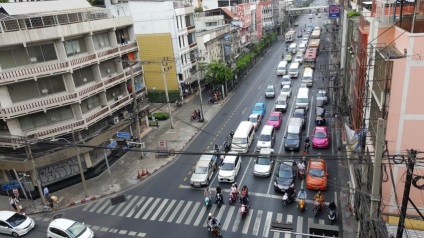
(44, 91)
(102, 44)
(33, 60)
(84, 80)
(120, 97)
(125, 114)
(108, 70)
(90, 106)
(52, 118)
(115, 120)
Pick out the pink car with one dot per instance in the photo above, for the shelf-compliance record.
(275, 119)
(321, 138)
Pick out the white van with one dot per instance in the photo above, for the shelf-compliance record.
(243, 137)
(294, 70)
(282, 68)
(203, 172)
(293, 48)
(308, 77)
(302, 100)
(267, 138)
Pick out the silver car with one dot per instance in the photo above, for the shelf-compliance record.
(264, 163)
(285, 80)
(270, 91)
(322, 96)
(286, 90)
(256, 119)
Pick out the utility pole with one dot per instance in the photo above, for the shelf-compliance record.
(84, 185)
(34, 170)
(412, 154)
(164, 71)
(137, 118)
(376, 179)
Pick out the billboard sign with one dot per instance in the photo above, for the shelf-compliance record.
(334, 11)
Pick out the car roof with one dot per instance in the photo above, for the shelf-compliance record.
(320, 128)
(275, 113)
(62, 223)
(230, 158)
(286, 86)
(207, 158)
(259, 104)
(288, 163)
(270, 86)
(254, 115)
(302, 110)
(282, 97)
(316, 163)
(203, 163)
(4, 215)
(286, 77)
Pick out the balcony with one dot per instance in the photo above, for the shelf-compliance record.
(36, 105)
(97, 116)
(191, 29)
(107, 54)
(90, 90)
(35, 71)
(193, 46)
(110, 82)
(55, 130)
(120, 103)
(128, 48)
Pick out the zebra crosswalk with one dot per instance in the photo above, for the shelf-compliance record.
(194, 213)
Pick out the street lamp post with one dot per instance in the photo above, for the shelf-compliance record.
(107, 165)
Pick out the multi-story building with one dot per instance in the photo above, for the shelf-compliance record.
(383, 68)
(63, 72)
(267, 15)
(166, 29)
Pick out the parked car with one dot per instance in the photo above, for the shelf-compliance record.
(285, 176)
(286, 80)
(322, 95)
(264, 163)
(270, 91)
(316, 174)
(321, 138)
(259, 108)
(15, 224)
(275, 119)
(62, 227)
(256, 119)
(286, 90)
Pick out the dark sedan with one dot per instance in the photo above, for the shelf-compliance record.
(285, 176)
(292, 142)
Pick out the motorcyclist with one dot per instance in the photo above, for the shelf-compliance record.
(194, 114)
(234, 191)
(245, 191)
(290, 191)
(332, 206)
(287, 48)
(232, 133)
(219, 194)
(216, 148)
(245, 201)
(214, 222)
(319, 198)
(301, 166)
(302, 194)
(307, 141)
(207, 194)
(208, 221)
(227, 145)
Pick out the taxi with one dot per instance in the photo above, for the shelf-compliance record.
(316, 174)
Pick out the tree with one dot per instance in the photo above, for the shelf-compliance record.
(217, 73)
(4, 1)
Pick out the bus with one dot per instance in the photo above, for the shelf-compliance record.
(310, 58)
(316, 34)
(314, 43)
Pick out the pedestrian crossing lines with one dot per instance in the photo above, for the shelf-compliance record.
(194, 213)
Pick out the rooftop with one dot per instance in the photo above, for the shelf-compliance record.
(205, 32)
(38, 8)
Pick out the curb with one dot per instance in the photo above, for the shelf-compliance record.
(85, 200)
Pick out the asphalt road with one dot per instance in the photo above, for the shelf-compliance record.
(165, 205)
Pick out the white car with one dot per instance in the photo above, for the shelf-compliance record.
(229, 168)
(256, 119)
(298, 58)
(286, 80)
(303, 85)
(15, 224)
(264, 163)
(63, 227)
(286, 90)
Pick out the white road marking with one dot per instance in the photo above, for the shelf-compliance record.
(267, 224)
(310, 118)
(200, 217)
(245, 171)
(279, 219)
(87, 206)
(237, 221)
(257, 223)
(221, 211)
(128, 206)
(191, 215)
(247, 222)
(103, 207)
(299, 226)
(136, 207)
(289, 220)
(185, 210)
(162, 205)
(228, 218)
(151, 208)
(212, 211)
(243, 111)
(167, 210)
(174, 213)
(95, 206)
(146, 204)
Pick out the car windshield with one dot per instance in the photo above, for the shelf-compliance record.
(269, 89)
(320, 135)
(201, 170)
(301, 100)
(299, 56)
(16, 219)
(228, 166)
(321, 94)
(281, 102)
(274, 118)
(264, 137)
(286, 79)
(263, 161)
(292, 70)
(285, 173)
(292, 137)
(238, 141)
(253, 119)
(281, 68)
(285, 89)
(298, 115)
(258, 108)
(76, 229)
(316, 172)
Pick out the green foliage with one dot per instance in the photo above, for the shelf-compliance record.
(89, 1)
(353, 13)
(217, 72)
(198, 9)
(156, 96)
(4, 1)
(244, 60)
(160, 116)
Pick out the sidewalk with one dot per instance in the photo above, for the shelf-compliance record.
(126, 169)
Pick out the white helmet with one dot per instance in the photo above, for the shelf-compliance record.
(210, 214)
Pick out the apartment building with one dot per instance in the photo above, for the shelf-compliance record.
(383, 69)
(166, 29)
(63, 73)
(267, 15)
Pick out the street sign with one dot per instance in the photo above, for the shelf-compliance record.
(122, 134)
(334, 11)
(112, 145)
(162, 149)
(10, 185)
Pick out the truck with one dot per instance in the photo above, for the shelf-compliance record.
(290, 35)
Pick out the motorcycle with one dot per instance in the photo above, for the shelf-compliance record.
(244, 210)
(216, 231)
(193, 116)
(317, 207)
(332, 215)
(219, 200)
(287, 200)
(307, 145)
(301, 173)
(208, 202)
(233, 197)
(301, 204)
(227, 147)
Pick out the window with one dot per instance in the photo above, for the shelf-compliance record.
(113, 93)
(83, 76)
(21, 56)
(107, 68)
(101, 40)
(3, 224)
(90, 103)
(75, 46)
(58, 232)
(40, 119)
(43, 87)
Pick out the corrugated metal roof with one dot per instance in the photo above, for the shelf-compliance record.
(407, 233)
(25, 8)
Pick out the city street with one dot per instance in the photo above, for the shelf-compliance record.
(165, 205)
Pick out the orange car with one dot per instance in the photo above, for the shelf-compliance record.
(316, 174)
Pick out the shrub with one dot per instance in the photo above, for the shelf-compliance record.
(160, 116)
(353, 13)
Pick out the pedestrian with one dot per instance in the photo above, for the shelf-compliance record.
(46, 193)
(198, 114)
(123, 39)
(12, 202)
(15, 192)
(17, 204)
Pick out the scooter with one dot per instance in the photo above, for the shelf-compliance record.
(244, 210)
(233, 197)
(208, 202)
(193, 116)
(301, 204)
(317, 208)
(287, 200)
(219, 200)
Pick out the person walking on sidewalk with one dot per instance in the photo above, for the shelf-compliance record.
(46, 193)
(198, 114)
(12, 202)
